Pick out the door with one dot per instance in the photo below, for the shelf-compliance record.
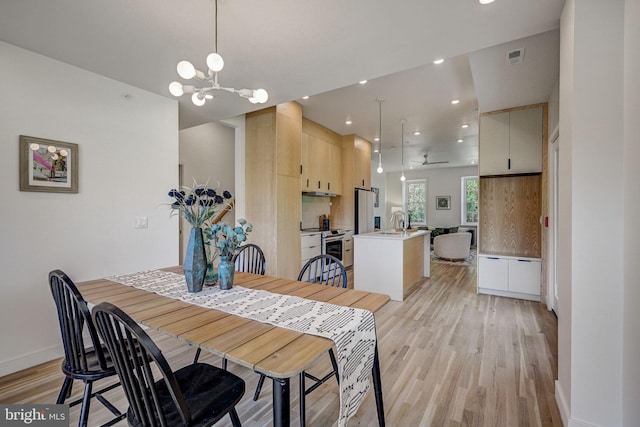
(553, 230)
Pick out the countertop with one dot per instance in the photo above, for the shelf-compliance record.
(393, 235)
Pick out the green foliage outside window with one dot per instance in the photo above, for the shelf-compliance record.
(417, 201)
(471, 199)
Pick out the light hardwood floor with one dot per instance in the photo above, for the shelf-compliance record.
(448, 357)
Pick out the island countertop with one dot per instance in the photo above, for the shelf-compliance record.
(392, 234)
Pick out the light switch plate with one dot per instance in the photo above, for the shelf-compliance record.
(142, 222)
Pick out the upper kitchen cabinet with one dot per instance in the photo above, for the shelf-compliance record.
(361, 161)
(511, 141)
(321, 159)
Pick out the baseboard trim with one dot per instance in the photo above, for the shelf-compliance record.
(28, 360)
(565, 412)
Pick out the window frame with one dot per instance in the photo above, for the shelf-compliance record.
(463, 199)
(426, 198)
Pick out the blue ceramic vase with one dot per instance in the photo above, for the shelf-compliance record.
(195, 261)
(226, 268)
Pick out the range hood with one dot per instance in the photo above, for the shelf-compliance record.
(318, 194)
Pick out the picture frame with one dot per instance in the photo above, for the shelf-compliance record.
(48, 166)
(443, 202)
(376, 199)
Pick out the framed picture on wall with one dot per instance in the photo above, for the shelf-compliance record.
(48, 166)
(376, 198)
(443, 202)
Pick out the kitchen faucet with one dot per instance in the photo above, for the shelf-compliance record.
(402, 216)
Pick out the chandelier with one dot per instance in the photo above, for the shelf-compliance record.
(215, 63)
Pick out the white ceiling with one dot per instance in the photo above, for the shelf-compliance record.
(320, 48)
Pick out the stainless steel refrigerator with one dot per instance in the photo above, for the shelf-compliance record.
(364, 211)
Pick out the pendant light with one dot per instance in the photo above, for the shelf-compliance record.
(215, 63)
(402, 177)
(380, 101)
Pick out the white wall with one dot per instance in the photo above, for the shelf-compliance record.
(207, 155)
(128, 150)
(440, 182)
(592, 139)
(631, 271)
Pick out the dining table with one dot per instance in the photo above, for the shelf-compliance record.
(277, 352)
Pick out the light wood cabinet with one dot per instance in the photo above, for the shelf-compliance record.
(321, 159)
(356, 173)
(273, 202)
(348, 249)
(511, 142)
(362, 163)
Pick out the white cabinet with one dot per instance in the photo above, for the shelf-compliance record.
(509, 276)
(511, 142)
(310, 246)
(347, 261)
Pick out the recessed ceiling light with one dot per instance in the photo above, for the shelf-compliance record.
(376, 139)
(455, 101)
(348, 122)
(460, 140)
(305, 97)
(464, 126)
(485, 1)
(438, 61)
(416, 133)
(362, 82)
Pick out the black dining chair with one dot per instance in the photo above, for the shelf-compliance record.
(195, 395)
(324, 270)
(249, 259)
(85, 359)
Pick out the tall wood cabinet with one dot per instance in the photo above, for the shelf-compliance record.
(356, 173)
(273, 206)
(511, 196)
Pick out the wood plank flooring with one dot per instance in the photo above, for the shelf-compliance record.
(449, 357)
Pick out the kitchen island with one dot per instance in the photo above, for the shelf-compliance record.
(391, 262)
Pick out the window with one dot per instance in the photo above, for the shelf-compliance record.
(415, 200)
(470, 200)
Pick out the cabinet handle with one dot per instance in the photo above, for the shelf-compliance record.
(363, 182)
(328, 186)
(307, 182)
(492, 257)
(318, 185)
(524, 260)
(347, 250)
(509, 164)
(300, 169)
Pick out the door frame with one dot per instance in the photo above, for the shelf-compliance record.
(552, 243)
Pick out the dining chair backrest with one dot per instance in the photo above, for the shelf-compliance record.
(324, 269)
(75, 326)
(123, 338)
(250, 259)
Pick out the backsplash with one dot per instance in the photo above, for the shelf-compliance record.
(312, 208)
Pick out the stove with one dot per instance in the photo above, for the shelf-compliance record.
(332, 241)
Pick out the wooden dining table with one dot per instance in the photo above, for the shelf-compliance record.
(276, 352)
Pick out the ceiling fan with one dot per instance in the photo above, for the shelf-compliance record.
(427, 162)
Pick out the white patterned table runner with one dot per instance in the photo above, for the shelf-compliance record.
(352, 330)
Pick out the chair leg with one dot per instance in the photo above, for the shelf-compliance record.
(303, 400)
(65, 390)
(256, 395)
(235, 420)
(197, 356)
(334, 363)
(86, 401)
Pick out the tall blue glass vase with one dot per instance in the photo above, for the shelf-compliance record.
(195, 261)
(226, 268)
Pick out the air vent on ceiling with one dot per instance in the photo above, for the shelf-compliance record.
(515, 56)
